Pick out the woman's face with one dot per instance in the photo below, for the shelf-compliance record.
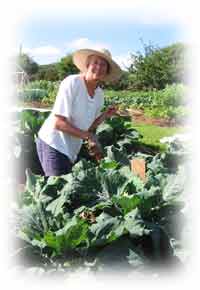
(97, 67)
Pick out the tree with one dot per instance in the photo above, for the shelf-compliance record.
(126, 82)
(47, 72)
(66, 67)
(158, 67)
(27, 64)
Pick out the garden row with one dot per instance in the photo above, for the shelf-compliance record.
(170, 102)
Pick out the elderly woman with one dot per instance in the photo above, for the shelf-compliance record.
(76, 112)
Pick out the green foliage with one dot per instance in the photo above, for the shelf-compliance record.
(27, 125)
(116, 129)
(126, 99)
(126, 82)
(102, 209)
(30, 121)
(102, 212)
(174, 95)
(152, 134)
(158, 67)
(155, 68)
(66, 67)
(42, 90)
(126, 213)
(119, 132)
(31, 95)
(27, 64)
(170, 103)
(167, 103)
(47, 72)
(171, 95)
(152, 69)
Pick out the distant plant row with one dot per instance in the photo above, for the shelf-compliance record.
(167, 103)
(171, 102)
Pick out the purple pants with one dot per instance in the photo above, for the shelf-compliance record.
(53, 162)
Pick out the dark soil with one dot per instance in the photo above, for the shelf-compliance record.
(136, 115)
(154, 121)
(35, 105)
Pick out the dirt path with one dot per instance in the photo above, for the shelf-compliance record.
(136, 115)
(139, 117)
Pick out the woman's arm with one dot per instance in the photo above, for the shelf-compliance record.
(107, 114)
(97, 122)
(62, 124)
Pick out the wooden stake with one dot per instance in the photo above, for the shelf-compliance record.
(138, 167)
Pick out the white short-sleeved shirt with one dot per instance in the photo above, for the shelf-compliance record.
(74, 103)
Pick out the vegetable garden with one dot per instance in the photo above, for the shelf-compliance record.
(167, 103)
(101, 216)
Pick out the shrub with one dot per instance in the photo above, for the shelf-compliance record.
(42, 90)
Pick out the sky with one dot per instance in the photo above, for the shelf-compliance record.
(47, 37)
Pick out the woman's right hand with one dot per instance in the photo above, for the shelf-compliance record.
(92, 139)
(88, 136)
(94, 147)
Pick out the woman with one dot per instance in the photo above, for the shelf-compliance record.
(76, 112)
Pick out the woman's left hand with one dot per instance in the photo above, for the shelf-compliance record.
(112, 110)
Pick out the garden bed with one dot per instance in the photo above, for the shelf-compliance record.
(101, 215)
(137, 115)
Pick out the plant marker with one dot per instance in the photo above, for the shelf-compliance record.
(138, 167)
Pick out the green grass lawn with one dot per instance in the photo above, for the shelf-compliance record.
(152, 134)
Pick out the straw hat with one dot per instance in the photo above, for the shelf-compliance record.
(80, 59)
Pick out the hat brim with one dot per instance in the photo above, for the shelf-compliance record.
(80, 57)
